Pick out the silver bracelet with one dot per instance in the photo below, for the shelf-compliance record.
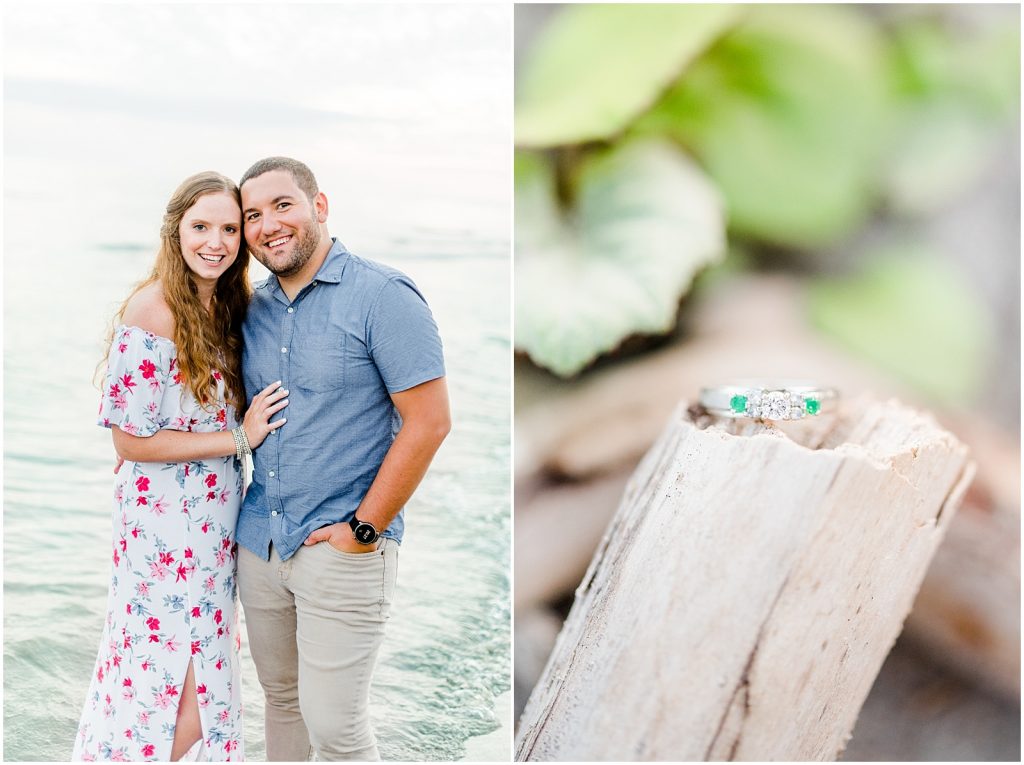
(242, 448)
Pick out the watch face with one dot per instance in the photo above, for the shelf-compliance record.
(365, 533)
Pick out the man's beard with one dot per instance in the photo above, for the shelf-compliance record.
(308, 241)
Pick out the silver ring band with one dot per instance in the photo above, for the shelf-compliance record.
(789, 401)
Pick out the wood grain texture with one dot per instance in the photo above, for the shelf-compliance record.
(748, 589)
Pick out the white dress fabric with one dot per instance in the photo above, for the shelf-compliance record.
(172, 588)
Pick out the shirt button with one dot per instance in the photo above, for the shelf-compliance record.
(271, 473)
(284, 350)
(273, 512)
(291, 310)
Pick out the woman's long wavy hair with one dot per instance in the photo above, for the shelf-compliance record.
(206, 341)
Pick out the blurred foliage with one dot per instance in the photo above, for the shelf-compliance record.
(588, 78)
(645, 220)
(808, 119)
(954, 94)
(787, 114)
(911, 313)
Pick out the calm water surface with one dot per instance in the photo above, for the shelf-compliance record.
(85, 185)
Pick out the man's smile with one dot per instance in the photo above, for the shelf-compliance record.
(274, 243)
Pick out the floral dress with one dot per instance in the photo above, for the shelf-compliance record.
(172, 587)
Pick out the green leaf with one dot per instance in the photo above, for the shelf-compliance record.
(787, 114)
(959, 90)
(646, 220)
(910, 313)
(595, 68)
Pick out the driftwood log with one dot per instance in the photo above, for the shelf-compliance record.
(748, 589)
(593, 431)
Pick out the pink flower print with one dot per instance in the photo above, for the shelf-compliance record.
(224, 715)
(182, 573)
(128, 607)
(158, 570)
(135, 533)
(231, 745)
(162, 700)
(153, 623)
(180, 423)
(171, 646)
(115, 390)
(206, 527)
(211, 480)
(188, 552)
(117, 558)
(124, 544)
(201, 688)
(143, 718)
(142, 484)
(127, 732)
(147, 750)
(154, 638)
(145, 666)
(195, 612)
(127, 682)
(119, 493)
(218, 617)
(120, 402)
(142, 589)
(159, 507)
(88, 757)
(147, 368)
(210, 496)
(209, 585)
(128, 382)
(141, 501)
(166, 558)
(222, 416)
(187, 466)
(195, 647)
(119, 755)
(225, 542)
(225, 495)
(220, 663)
(221, 557)
(99, 674)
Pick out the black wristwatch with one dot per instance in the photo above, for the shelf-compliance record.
(364, 532)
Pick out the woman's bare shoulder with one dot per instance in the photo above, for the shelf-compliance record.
(147, 309)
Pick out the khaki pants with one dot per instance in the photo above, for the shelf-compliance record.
(315, 623)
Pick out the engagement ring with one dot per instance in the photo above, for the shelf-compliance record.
(763, 402)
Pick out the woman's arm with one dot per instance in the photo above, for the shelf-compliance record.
(172, 445)
(181, 446)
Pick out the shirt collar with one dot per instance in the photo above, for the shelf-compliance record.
(330, 270)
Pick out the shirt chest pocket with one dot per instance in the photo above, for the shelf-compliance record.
(318, 364)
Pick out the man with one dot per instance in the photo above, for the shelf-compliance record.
(356, 347)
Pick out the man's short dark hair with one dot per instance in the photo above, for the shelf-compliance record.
(301, 174)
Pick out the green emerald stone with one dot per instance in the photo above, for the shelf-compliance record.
(812, 405)
(738, 403)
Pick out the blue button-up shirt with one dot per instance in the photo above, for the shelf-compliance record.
(357, 333)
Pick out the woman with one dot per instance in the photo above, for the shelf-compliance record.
(166, 681)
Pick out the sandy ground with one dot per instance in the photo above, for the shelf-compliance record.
(497, 745)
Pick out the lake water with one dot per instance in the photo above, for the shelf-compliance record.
(404, 122)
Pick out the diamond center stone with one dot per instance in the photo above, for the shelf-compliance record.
(775, 405)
